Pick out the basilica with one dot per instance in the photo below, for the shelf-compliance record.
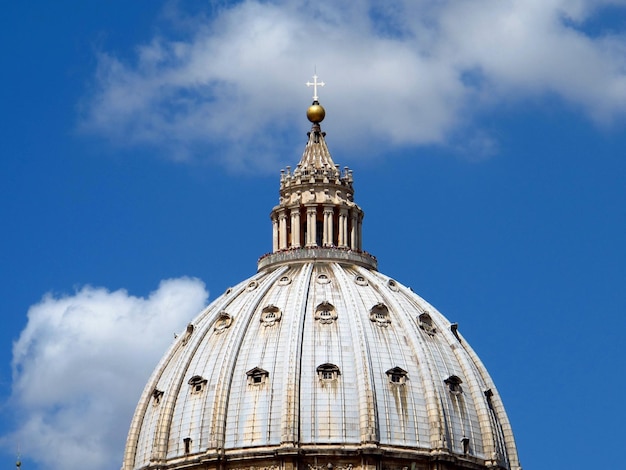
(319, 361)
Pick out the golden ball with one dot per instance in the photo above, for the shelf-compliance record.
(315, 113)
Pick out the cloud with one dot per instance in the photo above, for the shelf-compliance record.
(404, 73)
(80, 364)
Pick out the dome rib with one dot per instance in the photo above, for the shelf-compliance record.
(367, 403)
(290, 429)
(228, 422)
(401, 325)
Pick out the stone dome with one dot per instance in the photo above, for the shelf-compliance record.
(320, 361)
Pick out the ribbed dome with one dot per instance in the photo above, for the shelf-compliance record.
(319, 360)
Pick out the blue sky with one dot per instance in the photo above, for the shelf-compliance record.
(141, 144)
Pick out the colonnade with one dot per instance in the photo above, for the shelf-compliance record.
(314, 225)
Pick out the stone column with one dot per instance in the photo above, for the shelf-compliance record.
(328, 226)
(295, 227)
(353, 229)
(282, 230)
(311, 232)
(360, 232)
(274, 233)
(343, 227)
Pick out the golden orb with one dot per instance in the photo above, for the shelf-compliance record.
(315, 113)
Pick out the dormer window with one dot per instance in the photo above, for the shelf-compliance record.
(252, 285)
(323, 279)
(257, 376)
(488, 395)
(393, 285)
(222, 323)
(379, 314)
(397, 376)
(156, 396)
(465, 442)
(328, 372)
(360, 280)
(197, 384)
(283, 281)
(325, 313)
(454, 385)
(270, 315)
(426, 324)
(454, 328)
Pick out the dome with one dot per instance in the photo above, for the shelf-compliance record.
(319, 360)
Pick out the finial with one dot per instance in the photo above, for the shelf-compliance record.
(315, 84)
(316, 112)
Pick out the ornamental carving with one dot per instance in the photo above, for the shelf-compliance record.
(222, 323)
(379, 314)
(426, 324)
(325, 313)
(252, 467)
(270, 315)
(330, 466)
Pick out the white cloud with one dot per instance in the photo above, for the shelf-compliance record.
(405, 73)
(80, 365)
